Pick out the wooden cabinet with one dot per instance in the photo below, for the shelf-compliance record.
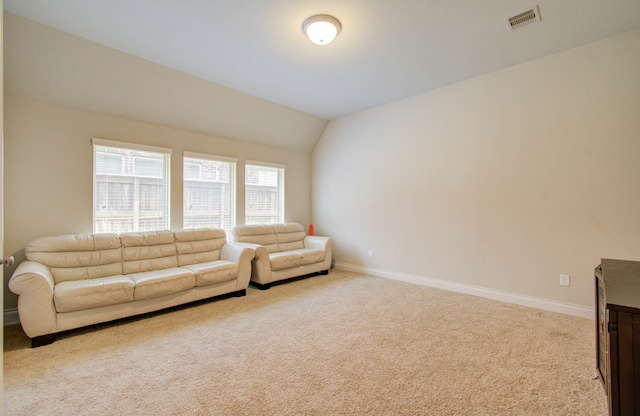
(617, 285)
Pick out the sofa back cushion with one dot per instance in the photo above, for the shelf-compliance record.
(78, 257)
(199, 245)
(257, 234)
(290, 236)
(148, 251)
(275, 238)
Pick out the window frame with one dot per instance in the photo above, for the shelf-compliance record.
(137, 182)
(281, 173)
(232, 195)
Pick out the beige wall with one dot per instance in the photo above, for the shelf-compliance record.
(504, 181)
(49, 167)
(45, 64)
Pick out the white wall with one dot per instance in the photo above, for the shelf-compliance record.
(49, 170)
(504, 181)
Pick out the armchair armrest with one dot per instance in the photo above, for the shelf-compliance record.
(33, 283)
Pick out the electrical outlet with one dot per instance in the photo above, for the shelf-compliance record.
(564, 280)
(370, 253)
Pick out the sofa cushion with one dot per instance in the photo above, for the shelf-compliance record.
(199, 245)
(310, 255)
(148, 251)
(76, 295)
(214, 272)
(162, 282)
(284, 260)
(78, 257)
(295, 258)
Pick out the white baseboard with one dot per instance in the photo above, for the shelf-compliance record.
(530, 301)
(10, 317)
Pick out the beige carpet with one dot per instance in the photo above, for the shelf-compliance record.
(329, 345)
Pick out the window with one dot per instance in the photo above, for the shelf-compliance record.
(209, 191)
(130, 187)
(264, 193)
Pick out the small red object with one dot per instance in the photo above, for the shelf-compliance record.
(310, 229)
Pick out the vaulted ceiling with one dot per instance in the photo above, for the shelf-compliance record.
(387, 50)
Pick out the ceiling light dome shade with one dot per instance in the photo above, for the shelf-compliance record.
(321, 29)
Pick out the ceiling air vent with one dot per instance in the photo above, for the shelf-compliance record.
(530, 16)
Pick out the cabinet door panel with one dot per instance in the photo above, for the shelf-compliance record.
(625, 368)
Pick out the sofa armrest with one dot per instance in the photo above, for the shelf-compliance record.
(316, 241)
(236, 252)
(261, 265)
(242, 255)
(321, 243)
(33, 283)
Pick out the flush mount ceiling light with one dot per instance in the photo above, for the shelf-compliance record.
(321, 29)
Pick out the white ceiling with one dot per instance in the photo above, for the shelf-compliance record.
(388, 49)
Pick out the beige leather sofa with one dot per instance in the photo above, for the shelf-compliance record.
(72, 281)
(284, 251)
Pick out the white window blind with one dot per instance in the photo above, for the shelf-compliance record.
(130, 187)
(209, 191)
(264, 193)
